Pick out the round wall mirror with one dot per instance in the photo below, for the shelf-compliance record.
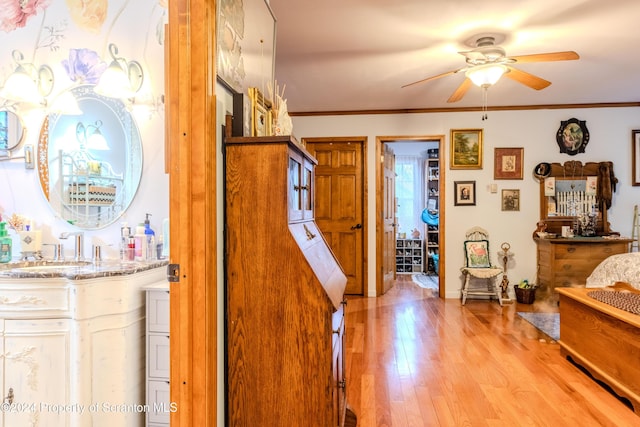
(11, 130)
(90, 164)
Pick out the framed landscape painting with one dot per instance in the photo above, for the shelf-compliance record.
(466, 149)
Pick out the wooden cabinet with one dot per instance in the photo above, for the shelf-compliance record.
(568, 262)
(284, 292)
(158, 401)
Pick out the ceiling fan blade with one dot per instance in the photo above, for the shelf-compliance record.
(460, 91)
(534, 82)
(547, 57)
(448, 73)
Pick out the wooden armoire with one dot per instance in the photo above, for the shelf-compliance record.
(284, 292)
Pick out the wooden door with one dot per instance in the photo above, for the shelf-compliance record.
(339, 203)
(389, 220)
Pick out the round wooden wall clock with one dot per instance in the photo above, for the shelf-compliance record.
(572, 136)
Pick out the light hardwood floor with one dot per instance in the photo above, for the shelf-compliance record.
(417, 360)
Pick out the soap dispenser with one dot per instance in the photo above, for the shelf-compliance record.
(5, 243)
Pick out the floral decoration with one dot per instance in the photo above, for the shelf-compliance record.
(17, 222)
(15, 13)
(84, 66)
(88, 14)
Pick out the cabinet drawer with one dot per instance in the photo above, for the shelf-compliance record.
(158, 393)
(158, 357)
(29, 302)
(601, 252)
(158, 311)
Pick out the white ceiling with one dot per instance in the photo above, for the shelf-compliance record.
(354, 55)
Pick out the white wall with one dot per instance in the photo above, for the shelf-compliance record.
(610, 140)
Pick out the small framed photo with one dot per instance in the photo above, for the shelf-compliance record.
(507, 163)
(466, 149)
(635, 157)
(465, 193)
(260, 113)
(510, 200)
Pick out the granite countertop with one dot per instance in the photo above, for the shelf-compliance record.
(75, 270)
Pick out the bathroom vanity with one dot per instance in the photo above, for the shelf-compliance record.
(72, 347)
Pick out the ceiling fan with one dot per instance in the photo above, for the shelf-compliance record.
(487, 62)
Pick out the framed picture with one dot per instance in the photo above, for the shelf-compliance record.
(572, 136)
(507, 163)
(510, 200)
(635, 157)
(245, 44)
(260, 113)
(465, 193)
(466, 149)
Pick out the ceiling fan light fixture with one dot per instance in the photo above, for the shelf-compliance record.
(486, 75)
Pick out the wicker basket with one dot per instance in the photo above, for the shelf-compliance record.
(525, 295)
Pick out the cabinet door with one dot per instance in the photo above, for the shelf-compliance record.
(307, 189)
(36, 360)
(295, 187)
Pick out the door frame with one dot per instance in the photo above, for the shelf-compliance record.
(380, 140)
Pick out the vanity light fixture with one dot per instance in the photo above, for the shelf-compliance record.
(90, 136)
(27, 83)
(121, 79)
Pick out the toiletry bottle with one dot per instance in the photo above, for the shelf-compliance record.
(159, 247)
(5, 243)
(131, 248)
(125, 232)
(141, 242)
(150, 237)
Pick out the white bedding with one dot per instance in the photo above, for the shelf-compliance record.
(616, 268)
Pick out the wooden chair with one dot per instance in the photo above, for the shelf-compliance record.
(478, 266)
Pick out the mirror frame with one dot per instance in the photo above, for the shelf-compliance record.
(575, 171)
(133, 143)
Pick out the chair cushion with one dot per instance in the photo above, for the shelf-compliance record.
(482, 273)
(477, 253)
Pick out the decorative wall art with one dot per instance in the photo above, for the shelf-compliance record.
(465, 193)
(466, 149)
(507, 163)
(572, 136)
(635, 157)
(260, 113)
(246, 43)
(510, 200)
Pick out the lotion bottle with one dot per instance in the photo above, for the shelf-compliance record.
(141, 243)
(5, 244)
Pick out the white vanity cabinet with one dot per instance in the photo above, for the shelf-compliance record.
(72, 351)
(158, 356)
(35, 371)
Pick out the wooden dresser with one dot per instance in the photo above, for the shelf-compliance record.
(567, 262)
(284, 292)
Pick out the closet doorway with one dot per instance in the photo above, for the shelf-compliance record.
(410, 200)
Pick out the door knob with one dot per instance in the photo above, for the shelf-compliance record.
(357, 226)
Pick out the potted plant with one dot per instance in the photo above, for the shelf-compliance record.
(525, 292)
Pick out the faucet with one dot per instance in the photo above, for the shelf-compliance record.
(79, 249)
